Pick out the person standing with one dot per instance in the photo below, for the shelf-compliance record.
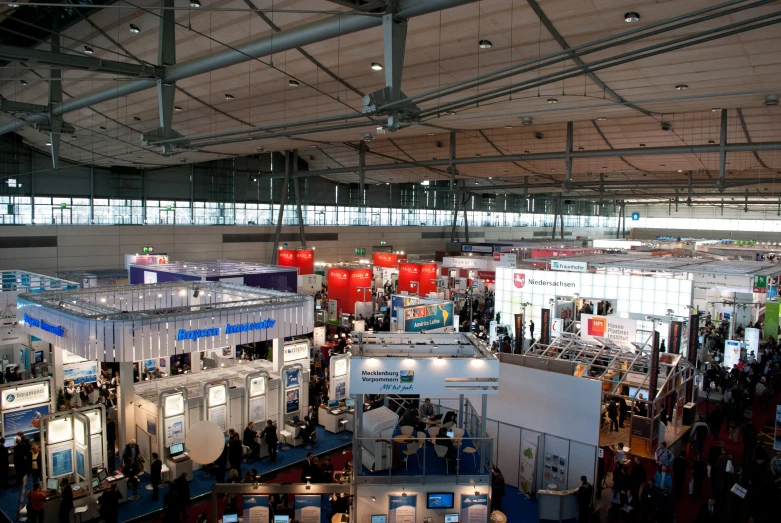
(109, 504)
(663, 455)
(699, 472)
(648, 500)
(66, 503)
(35, 463)
(111, 442)
(680, 466)
(662, 479)
(612, 413)
(623, 410)
(497, 488)
(249, 441)
(22, 459)
(172, 507)
(708, 513)
(638, 475)
(308, 470)
(131, 469)
(35, 503)
(182, 488)
(665, 507)
(531, 330)
(716, 420)
(235, 452)
(156, 475)
(270, 435)
(585, 497)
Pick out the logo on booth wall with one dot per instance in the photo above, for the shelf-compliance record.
(410, 268)
(10, 398)
(304, 255)
(339, 275)
(519, 280)
(406, 376)
(597, 326)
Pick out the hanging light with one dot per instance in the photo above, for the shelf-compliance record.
(134, 29)
(195, 3)
(377, 66)
(178, 109)
(229, 96)
(88, 50)
(553, 100)
(23, 82)
(292, 83)
(485, 44)
(631, 17)
(681, 87)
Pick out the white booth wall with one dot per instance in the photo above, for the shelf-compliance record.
(365, 507)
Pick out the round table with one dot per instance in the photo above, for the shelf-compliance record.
(498, 516)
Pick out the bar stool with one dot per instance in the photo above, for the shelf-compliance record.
(79, 512)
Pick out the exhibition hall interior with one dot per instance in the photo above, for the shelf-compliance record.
(390, 261)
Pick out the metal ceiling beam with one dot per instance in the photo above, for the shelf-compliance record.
(606, 153)
(55, 94)
(722, 149)
(748, 137)
(33, 57)
(299, 36)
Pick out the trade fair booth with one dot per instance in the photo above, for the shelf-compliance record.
(349, 290)
(386, 267)
(418, 278)
(136, 323)
(337, 415)
(304, 261)
(22, 405)
(238, 273)
(405, 471)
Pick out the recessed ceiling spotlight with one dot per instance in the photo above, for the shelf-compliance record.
(508, 126)
(48, 143)
(602, 118)
(102, 128)
(178, 109)
(195, 3)
(450, 112)
(485, 44)
(376, 66)
(581, 148)
(553, 170)
(430, 134)
(260, 149)
(661, 165)
(680, 171)
(136, 119)
(527, 120)
(292, 83)
(23, 82)
(491, 177)
(642, 145)
(553, 100)
(681, 87)
(228, 96)
(526, 151)
(716, 110)
(476, 183)
(711, 141)
(14, 6)
(182, 160)
(88, 50)
(478, 155)
(631, 17)
(134, 29)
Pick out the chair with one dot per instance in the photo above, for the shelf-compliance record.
(441, 452)
(458, 435)
(433, 432)
(412, 448)
(473, 452)
(448, 425)
(407, 430)
(78, 512)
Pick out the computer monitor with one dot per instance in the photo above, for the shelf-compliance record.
(52, 484)
(451, 518)
(379, 518)
(230, 518)
(176, 449)
(318, 307)
(382, 309)
(333, 404)
(281, 519)
(349, 403)
(102, 475)
(95, 482)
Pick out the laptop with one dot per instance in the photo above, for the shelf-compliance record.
(230, 518)
(177, 453)
(102, 475)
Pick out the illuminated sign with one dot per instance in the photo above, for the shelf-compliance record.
(194, 335)
(57, 330)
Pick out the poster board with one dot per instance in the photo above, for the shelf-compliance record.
(256, 509)
(174, 430)
(526, 470)
(308, 509)
(28, 420)
(60, 460)
(402, 509)
(80, 373)
(257, 409)
(218, 415)
(474, 507)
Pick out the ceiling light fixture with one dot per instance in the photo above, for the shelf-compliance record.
(48, 143)
(642, 145)
(102, 128)
(136, 119)
(14, 6)
(681, 87)
(711, 141)
(527, 120)
(661, 165)
(716, 110)
(553, 100)
(228, 96)
(430, 134)
(680, 171)
(178, 109)
(485, 44)
(376, 66)
(88, 50)
(526, 151)
(631, 17)
(602, 118)
(771, 99)
(195, 3)
(508, 126)
(478, 155)
(292, 83)
(134, 29)
(23, 82)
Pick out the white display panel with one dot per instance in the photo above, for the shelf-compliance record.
(59, 430)
(78, 431)
(174, 405)
(60, 459)
(296, 352)
(95, 421)
(257, 409)
(217, 395)
(257, 386)
(174, 430)
(13, 398)
(340, 367)
(218, 415)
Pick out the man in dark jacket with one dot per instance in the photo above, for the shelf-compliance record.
(172, 506)
(270, 435)
(221, 464)
(623, 411)
(22, 459)
(680, 465)
(585, 500)
(109, 504)
(665, 506)
(612, 413)
(182, 488)
(111, 441)
(155, 475)
(66, 505)
(235, 452)
(708, 512)
(308, 470)
(249, 441)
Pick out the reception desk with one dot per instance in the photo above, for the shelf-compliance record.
(557, 505)
(335, 420)
(82, 499)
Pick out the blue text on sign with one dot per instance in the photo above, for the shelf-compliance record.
(194, 335)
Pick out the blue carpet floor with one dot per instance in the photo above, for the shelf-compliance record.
(517, 507)
(200, 484)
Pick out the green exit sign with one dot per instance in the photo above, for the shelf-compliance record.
(760, 283)
(382, 242)
(147, 250)
(63, 206)
(360, 251)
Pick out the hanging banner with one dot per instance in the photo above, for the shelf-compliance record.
(528, 466)
(519, 333)
(654, 371)
(545, 322)
(731, 353)
(339, 288)
(308, 509)
(675, 337)
(80, 373)
(619, 330)
(402, 509)
(751, 338)
(255, 509)
(429, 318)
(409, 274)
(772, 309)
(777, 438)
(474, 507)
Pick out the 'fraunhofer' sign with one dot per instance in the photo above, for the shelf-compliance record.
(572, 266)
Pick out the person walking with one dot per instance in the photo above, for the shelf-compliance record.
(699, 435)
(612, 413)
(699, 473)
(109, 504)
(270, 435)
(585, 497)
(497, 488)
(680, 466)
(182, 488)
(663, 455)
(155, 475)
(66, 501)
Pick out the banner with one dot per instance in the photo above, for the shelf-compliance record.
(174, 430)
(654, 371)
(387, 260)
(27, 420)
(751, 337)
(621, 331)
(79, 373)
(474, 507)
(339, 288)
(428, 279)
(772, 309)
(308, 509)
(571, 266)
(409, 273)
(305, 261)
(545, 326)
(526, 472)
(286, 258)
(520, 330)
(255, 509)
(777, 438)
(292, 378)
(398, 300)
(419, 318)
(402, 509)
(675, 337)
(731, 353)
(24, 395)
(291, 402)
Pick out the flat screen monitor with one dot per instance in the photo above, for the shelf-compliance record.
(333, 404)
(450, 435)
(349, 403)
(439, 500)
(95, 483)
(281, 519)
(176, 449)
(102, 475)
(379, 518)
(9, 441)
(52, 484)
(383, 309)
(39, 356)
(318, 307)
(230, 518)
(451, 518)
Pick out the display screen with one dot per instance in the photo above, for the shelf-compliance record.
(281, 519)
(349, 403)
(177, 449)
(451, 518)
(102, 475)
(379, 518)
(439, 500)
(217, 395)
(52, 484)
(340, 367)
(174, 405)
(230, 518)
(333, 404)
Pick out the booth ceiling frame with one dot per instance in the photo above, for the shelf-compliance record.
(213, 269)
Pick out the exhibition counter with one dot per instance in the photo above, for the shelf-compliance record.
(557, 505)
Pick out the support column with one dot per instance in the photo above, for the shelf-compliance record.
(192, 194)
(555, 218)
(358, 427)
(484, 415)
(59, 380)
(618, 225)
(461, 411)
(456, 203)
(722, 149)
(91, 196)
(278, 348)
(561, 219)
(297, 192)
(568, 158)
(623, 223)
(282, 201)
(126, 416)
(166, 56)
(362, 174)
(55, 93)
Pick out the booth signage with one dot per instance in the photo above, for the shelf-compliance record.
(622, 331)
(731, 353)
(292, 378)
(486, 275)
(402, 509)
(760, 284)
(57, 330)
(257, 386)
(174, 405)
(308, 509)
(79, 373)
(23, 396)
(193, 335)
(542, 280)
(295, 352)
(421, 318)
(545, 326)
(465, 262)
(476, 248)
(675, 337)
(474, 507)
(571, 266)
(505, 259)
(27, 420)
(751, 338)
(11, 335)
(520, 331)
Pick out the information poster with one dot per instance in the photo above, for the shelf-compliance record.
(27, 420)
(527, 467)
(255, 509)
(751, 337)
(621, 331)
(174, 430)
(257, 386)
(257, 409)
(217, 415)
(427, 318)
(79, 373)
(60, 460)
(777, 438)
(292, 401)
(151, 424)
(174, 405)
(80, 461)
(401, 509)
(308, 509)
(731, 353)
(474, 508)
(340, 388)
(96, 450)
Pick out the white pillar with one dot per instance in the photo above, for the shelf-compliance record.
(126, 416)
(57, 366)
(195, 362)
(278, 354)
